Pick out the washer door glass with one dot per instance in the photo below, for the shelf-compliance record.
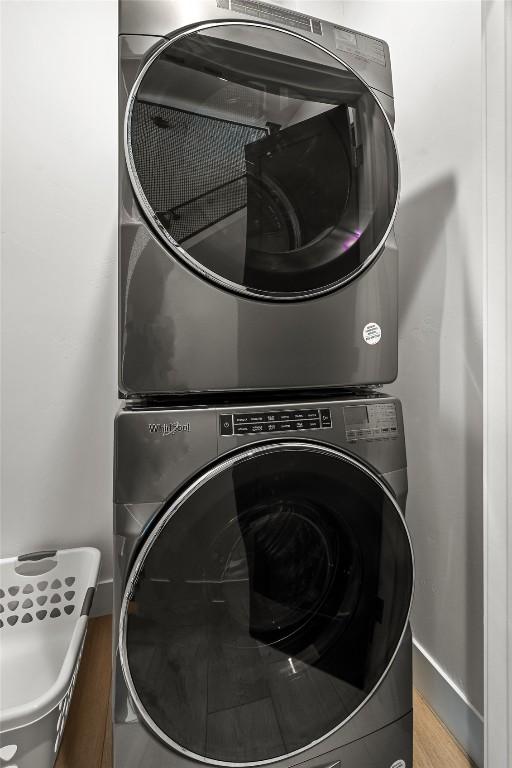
(266, 604)
(268, 163)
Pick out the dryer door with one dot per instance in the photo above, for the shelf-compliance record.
(262, 160)
(266, 604)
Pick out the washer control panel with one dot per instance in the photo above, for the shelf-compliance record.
(372, 421)
(274, 421)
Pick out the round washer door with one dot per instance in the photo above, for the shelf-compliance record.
(266, 604)
(262, 160)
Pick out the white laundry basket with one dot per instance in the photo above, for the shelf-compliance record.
(45, 599)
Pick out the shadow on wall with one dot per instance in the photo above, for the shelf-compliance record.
(440, 334)
(419, 226)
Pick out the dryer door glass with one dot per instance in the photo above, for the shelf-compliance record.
(263, 160)
(266, 604)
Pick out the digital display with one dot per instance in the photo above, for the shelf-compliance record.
(376, 421)
(356, 415)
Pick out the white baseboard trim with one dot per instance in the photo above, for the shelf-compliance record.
(450, 703)
(102, 603)
(441, 693)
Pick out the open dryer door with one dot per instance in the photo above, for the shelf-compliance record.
(266, 603)
(262, 160)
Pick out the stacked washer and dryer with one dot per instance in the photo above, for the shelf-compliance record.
(263, 566)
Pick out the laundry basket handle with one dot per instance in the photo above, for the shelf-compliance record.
(86, 605)
(41, 555)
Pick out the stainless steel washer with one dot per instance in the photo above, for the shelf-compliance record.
(263, 582)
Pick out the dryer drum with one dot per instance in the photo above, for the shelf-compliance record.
(267, 601)
(262, 160)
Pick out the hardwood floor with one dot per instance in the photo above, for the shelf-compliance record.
(434, 746)
(87, 741)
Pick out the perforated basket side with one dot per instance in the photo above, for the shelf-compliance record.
(37, 588)
(44, 605)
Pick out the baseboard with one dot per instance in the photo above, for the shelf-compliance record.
(449, 702)
(102, 603)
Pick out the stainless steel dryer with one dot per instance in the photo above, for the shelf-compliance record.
(258, 188)
(263, 581)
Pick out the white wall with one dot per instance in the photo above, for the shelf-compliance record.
(59, 321)
(436, 63)
(59, 213)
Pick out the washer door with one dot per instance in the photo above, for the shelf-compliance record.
(262, 160)
(266, 604)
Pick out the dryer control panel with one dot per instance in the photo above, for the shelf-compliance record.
(371, 421)
(270, 421)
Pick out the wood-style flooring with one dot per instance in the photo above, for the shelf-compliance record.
(87, 741)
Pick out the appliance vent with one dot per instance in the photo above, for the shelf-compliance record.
(273, 13)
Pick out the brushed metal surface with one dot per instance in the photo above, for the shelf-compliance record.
(180, 333)
(151, 466)
(163, 17)
(397, 480)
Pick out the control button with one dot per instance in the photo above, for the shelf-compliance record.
(257, 418)
(271, 416)
(226, 424)
(254, 428)
(271, 428)
(393, 429)
(301, 424)
(285, 416)
(325, 417)
(241, 418)
(285, 426)
(313, 423)
(312, 414)
(299, 414)
(242, 429)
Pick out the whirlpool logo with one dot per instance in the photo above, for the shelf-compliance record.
(169, 429)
